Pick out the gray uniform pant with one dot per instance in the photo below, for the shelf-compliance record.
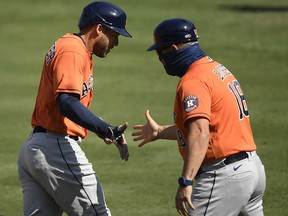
(56, 176)
(230, 190)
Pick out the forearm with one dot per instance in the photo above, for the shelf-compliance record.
(71, 108)
(197, 145)
(167, 132)
(193, 160)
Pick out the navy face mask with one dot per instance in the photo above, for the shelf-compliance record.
(177, 62)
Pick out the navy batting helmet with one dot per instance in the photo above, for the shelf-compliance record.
(104, 13)
(173, 31)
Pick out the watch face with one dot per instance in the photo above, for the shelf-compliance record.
(184, 182)
(181, 181)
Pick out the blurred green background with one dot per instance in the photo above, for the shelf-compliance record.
(248, 36)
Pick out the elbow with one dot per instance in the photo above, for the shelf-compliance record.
(62, 110)
(205, 136)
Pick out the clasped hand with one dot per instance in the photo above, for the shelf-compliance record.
(116, 136)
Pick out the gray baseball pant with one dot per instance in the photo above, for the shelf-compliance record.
(235, 189)
(56, 176)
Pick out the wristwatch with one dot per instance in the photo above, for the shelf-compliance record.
(182, 181)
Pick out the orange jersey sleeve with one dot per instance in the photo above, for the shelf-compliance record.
(209, 90)
(68, 67)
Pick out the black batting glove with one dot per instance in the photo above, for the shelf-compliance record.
(116, 135)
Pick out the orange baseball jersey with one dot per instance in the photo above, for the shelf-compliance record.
(210, 90)
(68, 67)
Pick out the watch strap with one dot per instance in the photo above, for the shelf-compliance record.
(182, 181)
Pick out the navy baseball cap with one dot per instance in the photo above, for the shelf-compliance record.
(173, 31)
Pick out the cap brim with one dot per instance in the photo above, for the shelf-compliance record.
(153, 47)
(159, 46)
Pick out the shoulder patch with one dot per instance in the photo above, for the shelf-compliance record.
(190, 103)
(50, 54)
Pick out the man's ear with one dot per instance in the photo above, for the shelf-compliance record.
(99, 29)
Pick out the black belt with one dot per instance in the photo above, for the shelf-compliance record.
(236, 157)
(230, 159)
(39, 129)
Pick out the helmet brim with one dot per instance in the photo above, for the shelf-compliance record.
(122, 32)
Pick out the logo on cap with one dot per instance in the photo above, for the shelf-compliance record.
(188, 36)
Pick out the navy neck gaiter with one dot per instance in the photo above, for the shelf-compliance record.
(177, 62)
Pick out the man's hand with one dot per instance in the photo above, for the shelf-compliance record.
(183, 200)
(116, 136)
(148, 132)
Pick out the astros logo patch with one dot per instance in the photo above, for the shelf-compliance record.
(190, 103)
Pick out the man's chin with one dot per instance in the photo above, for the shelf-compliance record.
(102, 55)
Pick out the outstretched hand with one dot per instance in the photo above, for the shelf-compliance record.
(148, 132)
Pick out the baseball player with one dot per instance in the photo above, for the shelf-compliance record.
(222, 174)
(54, 172)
